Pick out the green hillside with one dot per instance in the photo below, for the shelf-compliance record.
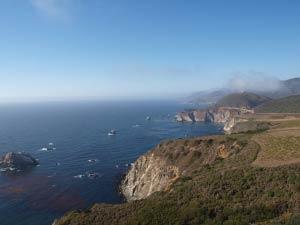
(289, 104)
(245, 99)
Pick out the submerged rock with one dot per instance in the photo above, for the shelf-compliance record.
(17, 160)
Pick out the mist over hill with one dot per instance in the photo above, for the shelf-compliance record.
(270, 88)
(245, 99)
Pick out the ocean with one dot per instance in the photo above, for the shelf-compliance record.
(83, 165)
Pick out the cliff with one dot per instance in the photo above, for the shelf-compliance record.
(149, 174)
(227, 115)
(158, 169)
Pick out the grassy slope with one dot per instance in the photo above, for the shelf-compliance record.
(244, 99)
(289, 104)
(222, 190)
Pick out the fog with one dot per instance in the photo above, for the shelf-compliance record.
(253, 82)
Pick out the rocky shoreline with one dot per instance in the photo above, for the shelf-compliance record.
(228, 116)
(151, 172)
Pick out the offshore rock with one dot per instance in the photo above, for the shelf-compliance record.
(17, 160)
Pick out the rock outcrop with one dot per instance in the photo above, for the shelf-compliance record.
(149, 174)
(226, 115)
(17, 160)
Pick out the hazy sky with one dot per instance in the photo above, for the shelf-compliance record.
(142, 47)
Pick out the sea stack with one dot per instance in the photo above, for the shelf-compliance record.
(17, 160)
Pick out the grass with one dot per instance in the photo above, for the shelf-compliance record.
(251, 126)
(278, 150)
(290, 123)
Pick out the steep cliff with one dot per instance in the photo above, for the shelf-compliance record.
(226, 115)
(149, 174)
(162, 166)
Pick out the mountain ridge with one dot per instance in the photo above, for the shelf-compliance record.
(285, 88)
(290, 104)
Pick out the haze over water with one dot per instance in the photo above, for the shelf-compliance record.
(78, 131)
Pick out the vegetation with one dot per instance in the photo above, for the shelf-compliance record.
(251, 126)
(245, 99)
(290, 219)
(289, 104)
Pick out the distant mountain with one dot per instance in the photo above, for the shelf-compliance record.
(245, 99)
(208, 97)
(286, 88)
(290, 104)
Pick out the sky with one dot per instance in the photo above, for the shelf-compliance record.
(138, 48)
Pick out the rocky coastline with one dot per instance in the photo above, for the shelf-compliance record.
(228, 116)
(180, 177)
(154, 172)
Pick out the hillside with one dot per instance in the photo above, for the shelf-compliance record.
(245, 99)
(237, 179)
(207, 97)
(285, 88)
(289, 104)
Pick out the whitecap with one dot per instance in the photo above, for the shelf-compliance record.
(43, 149)
(79, 176)
(93, 160)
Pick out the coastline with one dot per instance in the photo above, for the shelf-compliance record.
(202, 162)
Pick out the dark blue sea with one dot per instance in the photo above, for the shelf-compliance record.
(78, 131)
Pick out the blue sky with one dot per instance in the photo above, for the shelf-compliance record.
(72, 48)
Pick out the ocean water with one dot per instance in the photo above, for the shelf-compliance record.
(78, 131)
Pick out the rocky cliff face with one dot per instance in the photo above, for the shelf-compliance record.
(226, 115)
(149, 174)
